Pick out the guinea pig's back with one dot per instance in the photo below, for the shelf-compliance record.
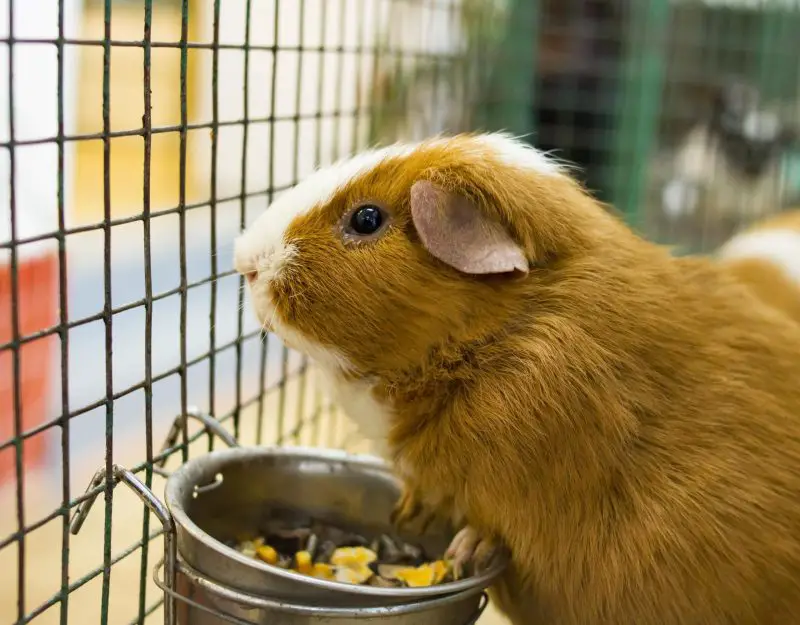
(766, 257)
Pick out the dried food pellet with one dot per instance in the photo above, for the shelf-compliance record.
(329, 553)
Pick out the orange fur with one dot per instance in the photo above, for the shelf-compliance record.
(789, 219)
(767, 280)
(627, 423)
(769, 284)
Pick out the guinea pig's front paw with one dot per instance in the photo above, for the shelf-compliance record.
(468, 547)
(410, 509)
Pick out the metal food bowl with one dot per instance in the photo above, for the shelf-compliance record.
(205, 602)
(239, 487)
(216, 497)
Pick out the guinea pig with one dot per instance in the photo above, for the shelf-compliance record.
(729, 166)
(625, 423)
(766, 257)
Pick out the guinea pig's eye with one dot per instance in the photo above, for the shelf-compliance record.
(366, 220)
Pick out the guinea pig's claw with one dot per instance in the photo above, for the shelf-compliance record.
(468, 547)
(410, 509)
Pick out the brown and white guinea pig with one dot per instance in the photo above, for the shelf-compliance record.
(624, 422)
(766, 257)
(730, 164)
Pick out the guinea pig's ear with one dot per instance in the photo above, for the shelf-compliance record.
(456, 232)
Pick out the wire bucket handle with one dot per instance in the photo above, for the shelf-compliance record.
(153, 503)
(210, 425)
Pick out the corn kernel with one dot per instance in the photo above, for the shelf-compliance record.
(267, 554)
(303, 560)
(323, 571)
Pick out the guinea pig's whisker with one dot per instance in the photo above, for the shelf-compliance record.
(522, 136)
(297, 294)
(266, 327)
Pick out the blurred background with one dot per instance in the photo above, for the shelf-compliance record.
(138, 137)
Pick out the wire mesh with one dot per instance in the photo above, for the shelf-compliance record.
(697, 188)
(150, 316)
(139, 136)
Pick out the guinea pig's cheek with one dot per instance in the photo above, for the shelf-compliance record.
(324, 355)
(266, 307)
(262, 304)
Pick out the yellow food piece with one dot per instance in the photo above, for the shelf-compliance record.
(356, 574)
(304, 564)
(440, 569)
(267, 554)
(323, 571)
(352, 564)
(353, 557)
(425, 575)
(417, 577)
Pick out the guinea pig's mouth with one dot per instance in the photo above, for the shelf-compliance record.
(270, 325)
(263, 308)
(266, 312)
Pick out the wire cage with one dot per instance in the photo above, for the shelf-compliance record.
(140, 136)
(725, 122)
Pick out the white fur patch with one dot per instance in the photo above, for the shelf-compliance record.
(516, 153)
(322, 355)
(262, 247)
(265, 238)
(356, 399)
(779, 246)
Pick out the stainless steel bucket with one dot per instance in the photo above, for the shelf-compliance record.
(202, 601)
(224, 493)
(354, 491)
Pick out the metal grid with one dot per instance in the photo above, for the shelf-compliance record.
(279, 402)
(702, 47)
(620, 86)
(379, 70)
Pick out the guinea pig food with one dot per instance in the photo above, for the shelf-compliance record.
(327, 552)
